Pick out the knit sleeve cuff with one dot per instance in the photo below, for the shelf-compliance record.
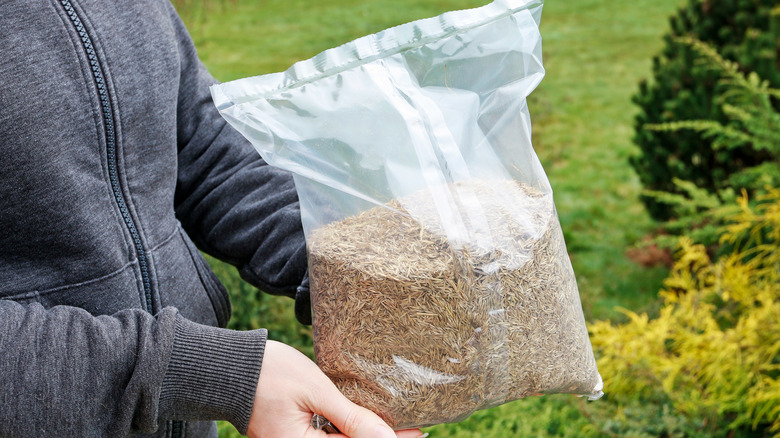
(212, 374)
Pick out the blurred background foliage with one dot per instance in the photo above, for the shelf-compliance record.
(667, 194)
(752, 122)
(745, 32)
(712, 355)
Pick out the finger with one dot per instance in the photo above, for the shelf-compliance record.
(351, 419)
(407, 433)
(410, 433)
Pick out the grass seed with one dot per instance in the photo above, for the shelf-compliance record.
(425, 321)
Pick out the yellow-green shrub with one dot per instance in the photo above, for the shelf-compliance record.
(714, 349)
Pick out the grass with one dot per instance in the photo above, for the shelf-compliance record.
(595, 52)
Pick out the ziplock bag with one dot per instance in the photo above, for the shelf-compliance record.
(439, 276)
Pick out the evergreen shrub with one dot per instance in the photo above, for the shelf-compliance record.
(712, 355)
(743, 31)
(753, 123)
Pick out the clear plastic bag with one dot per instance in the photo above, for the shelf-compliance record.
(439, 276)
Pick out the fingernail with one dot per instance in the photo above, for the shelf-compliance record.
(423, 435)
(381, 431)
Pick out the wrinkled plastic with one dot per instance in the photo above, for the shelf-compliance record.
(426, 125)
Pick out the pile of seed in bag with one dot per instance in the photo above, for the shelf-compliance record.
(425, 317)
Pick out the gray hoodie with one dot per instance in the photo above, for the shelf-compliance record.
(113, 161)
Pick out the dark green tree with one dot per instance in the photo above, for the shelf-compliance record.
(743, 31)
(753, 114)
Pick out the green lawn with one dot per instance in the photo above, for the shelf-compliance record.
(595, 53)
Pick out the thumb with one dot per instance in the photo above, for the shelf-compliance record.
(353, 420)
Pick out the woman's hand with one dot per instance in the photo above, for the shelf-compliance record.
(291, 389)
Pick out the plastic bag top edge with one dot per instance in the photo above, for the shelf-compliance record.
(366, 49)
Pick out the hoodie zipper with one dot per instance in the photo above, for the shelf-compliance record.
(108, 120)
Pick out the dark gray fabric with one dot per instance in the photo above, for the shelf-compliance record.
(303, 302)
(233, 362)
(86, 376)
(79, 353)
(68, 373)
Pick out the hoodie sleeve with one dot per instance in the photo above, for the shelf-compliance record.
(64, 371)
(230, 201)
